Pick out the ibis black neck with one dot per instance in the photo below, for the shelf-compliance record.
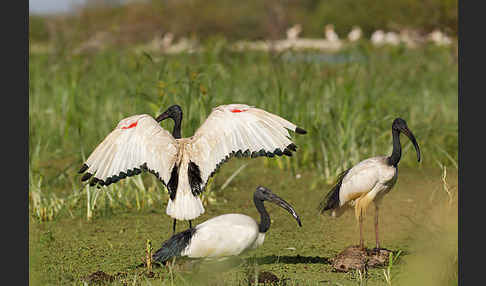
(264, 216)
(397, 149)
(176, 133)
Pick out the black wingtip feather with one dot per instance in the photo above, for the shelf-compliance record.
(86, 177)
(247, 153)
(83, 168)
(292, 147)
(174, 246)
(93, 182)
(331, 200)
(300, 130)
(287, 152)
(144, 167)
(115, 178)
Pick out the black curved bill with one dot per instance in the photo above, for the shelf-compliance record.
(282, 203)
(409, 134)
(163, 116)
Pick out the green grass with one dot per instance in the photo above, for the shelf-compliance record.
(347, 107)
(346, 104)
(416, 218)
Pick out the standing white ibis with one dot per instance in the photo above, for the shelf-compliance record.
(224, 235)
(368, 181)
(184, 165)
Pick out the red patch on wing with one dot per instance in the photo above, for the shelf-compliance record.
(238, 110)
(131, 125)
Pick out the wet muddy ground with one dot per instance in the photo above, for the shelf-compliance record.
(415, 218)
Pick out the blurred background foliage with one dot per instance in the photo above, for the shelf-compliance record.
(140, 21)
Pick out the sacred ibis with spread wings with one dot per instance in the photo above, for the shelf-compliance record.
(184, 165)
(368, 181)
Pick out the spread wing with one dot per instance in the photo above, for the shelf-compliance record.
(237, 130)
(137, 144)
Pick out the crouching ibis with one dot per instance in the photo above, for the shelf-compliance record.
(368, 181)
(224, 235)
(184, 165)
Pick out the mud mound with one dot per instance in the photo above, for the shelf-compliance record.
(265, 278)
(99, 277)
(353, 257)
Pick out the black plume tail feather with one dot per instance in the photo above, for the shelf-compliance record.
(331, 200)
(173, 246)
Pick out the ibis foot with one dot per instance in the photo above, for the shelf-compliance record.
(376, 250)
(355, 258)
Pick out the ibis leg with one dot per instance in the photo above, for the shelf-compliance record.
(361, 242)
(376, 227)
(190, 224)
(174, 226)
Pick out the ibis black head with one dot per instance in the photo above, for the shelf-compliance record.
(401, 126)
(174, 112)
(264, 194)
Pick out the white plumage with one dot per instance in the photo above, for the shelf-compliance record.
(226, 131)
(136, 140)
(224, 235)
(368, 181)
(355, 34)
(185, 165)
(330, 33)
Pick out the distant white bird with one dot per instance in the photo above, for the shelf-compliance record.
(378, 37)
(167, 40)
(368, 181)
(355, 34)
(294, 31)
(439, 38)
(224, 235)
(331, 35)
(184, 165)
